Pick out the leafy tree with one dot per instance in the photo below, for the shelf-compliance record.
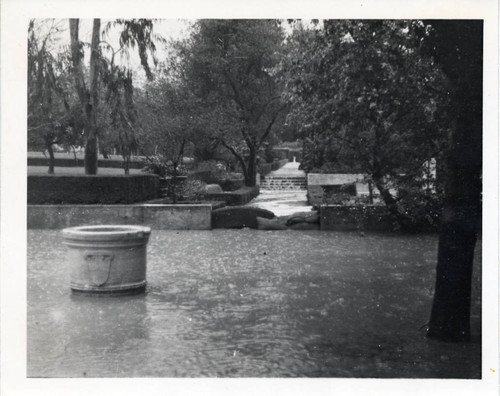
(135, 32)
(367, 100)
(51, 118)
(231, 65)
(166, 121)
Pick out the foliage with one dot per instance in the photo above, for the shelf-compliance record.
(230, 65)
(192, 190)
(135, 32)
(167, 120)
(159, 165)
(367, 99)
(52, 116)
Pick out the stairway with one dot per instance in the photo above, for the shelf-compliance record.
(283, 182)
(283, 191)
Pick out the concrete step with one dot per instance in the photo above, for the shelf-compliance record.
(284, 183)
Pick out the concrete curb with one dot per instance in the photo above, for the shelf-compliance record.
(158, 217)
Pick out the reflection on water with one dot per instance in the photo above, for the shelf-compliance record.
(247, 303)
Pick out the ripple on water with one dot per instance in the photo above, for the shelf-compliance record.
(316, 304)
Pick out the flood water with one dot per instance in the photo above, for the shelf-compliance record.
(249, 303)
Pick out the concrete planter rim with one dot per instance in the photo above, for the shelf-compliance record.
(107, 231)
(107, 259)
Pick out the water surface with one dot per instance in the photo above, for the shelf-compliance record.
(249, 303)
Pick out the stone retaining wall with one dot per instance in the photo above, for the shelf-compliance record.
(159, 217)
(321, 186)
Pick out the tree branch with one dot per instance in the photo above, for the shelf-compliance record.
(238, 157)
(270, 125)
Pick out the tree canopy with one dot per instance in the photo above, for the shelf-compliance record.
(231, 65)
(51, 111)
(367, 99)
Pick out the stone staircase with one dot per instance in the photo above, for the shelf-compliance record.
(283, 182)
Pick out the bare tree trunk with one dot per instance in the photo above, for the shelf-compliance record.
(251, 172)
(173, 184)
(459, 50)
(74, 154)
(52, 159)
(88, 98)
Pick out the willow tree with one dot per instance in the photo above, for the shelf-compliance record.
(49, 115)
(135, 32)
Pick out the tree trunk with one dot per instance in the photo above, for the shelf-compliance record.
(450, 315)
(104, 152)
(459, 50)
(91, 152)
(173, 184)
(74, 154)
(88, 98)
(126, 164)
(390, 202)
(52, 159)
(90, 156)
(251, 173)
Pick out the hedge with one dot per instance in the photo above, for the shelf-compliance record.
(91, 189)
(356, 218)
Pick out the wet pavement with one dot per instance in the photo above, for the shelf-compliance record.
(249, 303)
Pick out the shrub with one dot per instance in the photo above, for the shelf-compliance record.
(162, 167)
(192, 190)
(420, 212)
(217, 174)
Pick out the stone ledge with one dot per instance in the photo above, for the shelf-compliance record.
(160, 217)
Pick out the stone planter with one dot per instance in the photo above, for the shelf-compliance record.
(107, 259)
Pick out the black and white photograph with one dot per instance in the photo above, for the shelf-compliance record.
(285, 202)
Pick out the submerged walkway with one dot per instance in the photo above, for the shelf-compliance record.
(283, 191)
(246, 303)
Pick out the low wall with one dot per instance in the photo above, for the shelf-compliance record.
(91, 189)
(333, 179)
(235, 198)
(158, 217)
(71, 162)
(322, 186)
(352, 218)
